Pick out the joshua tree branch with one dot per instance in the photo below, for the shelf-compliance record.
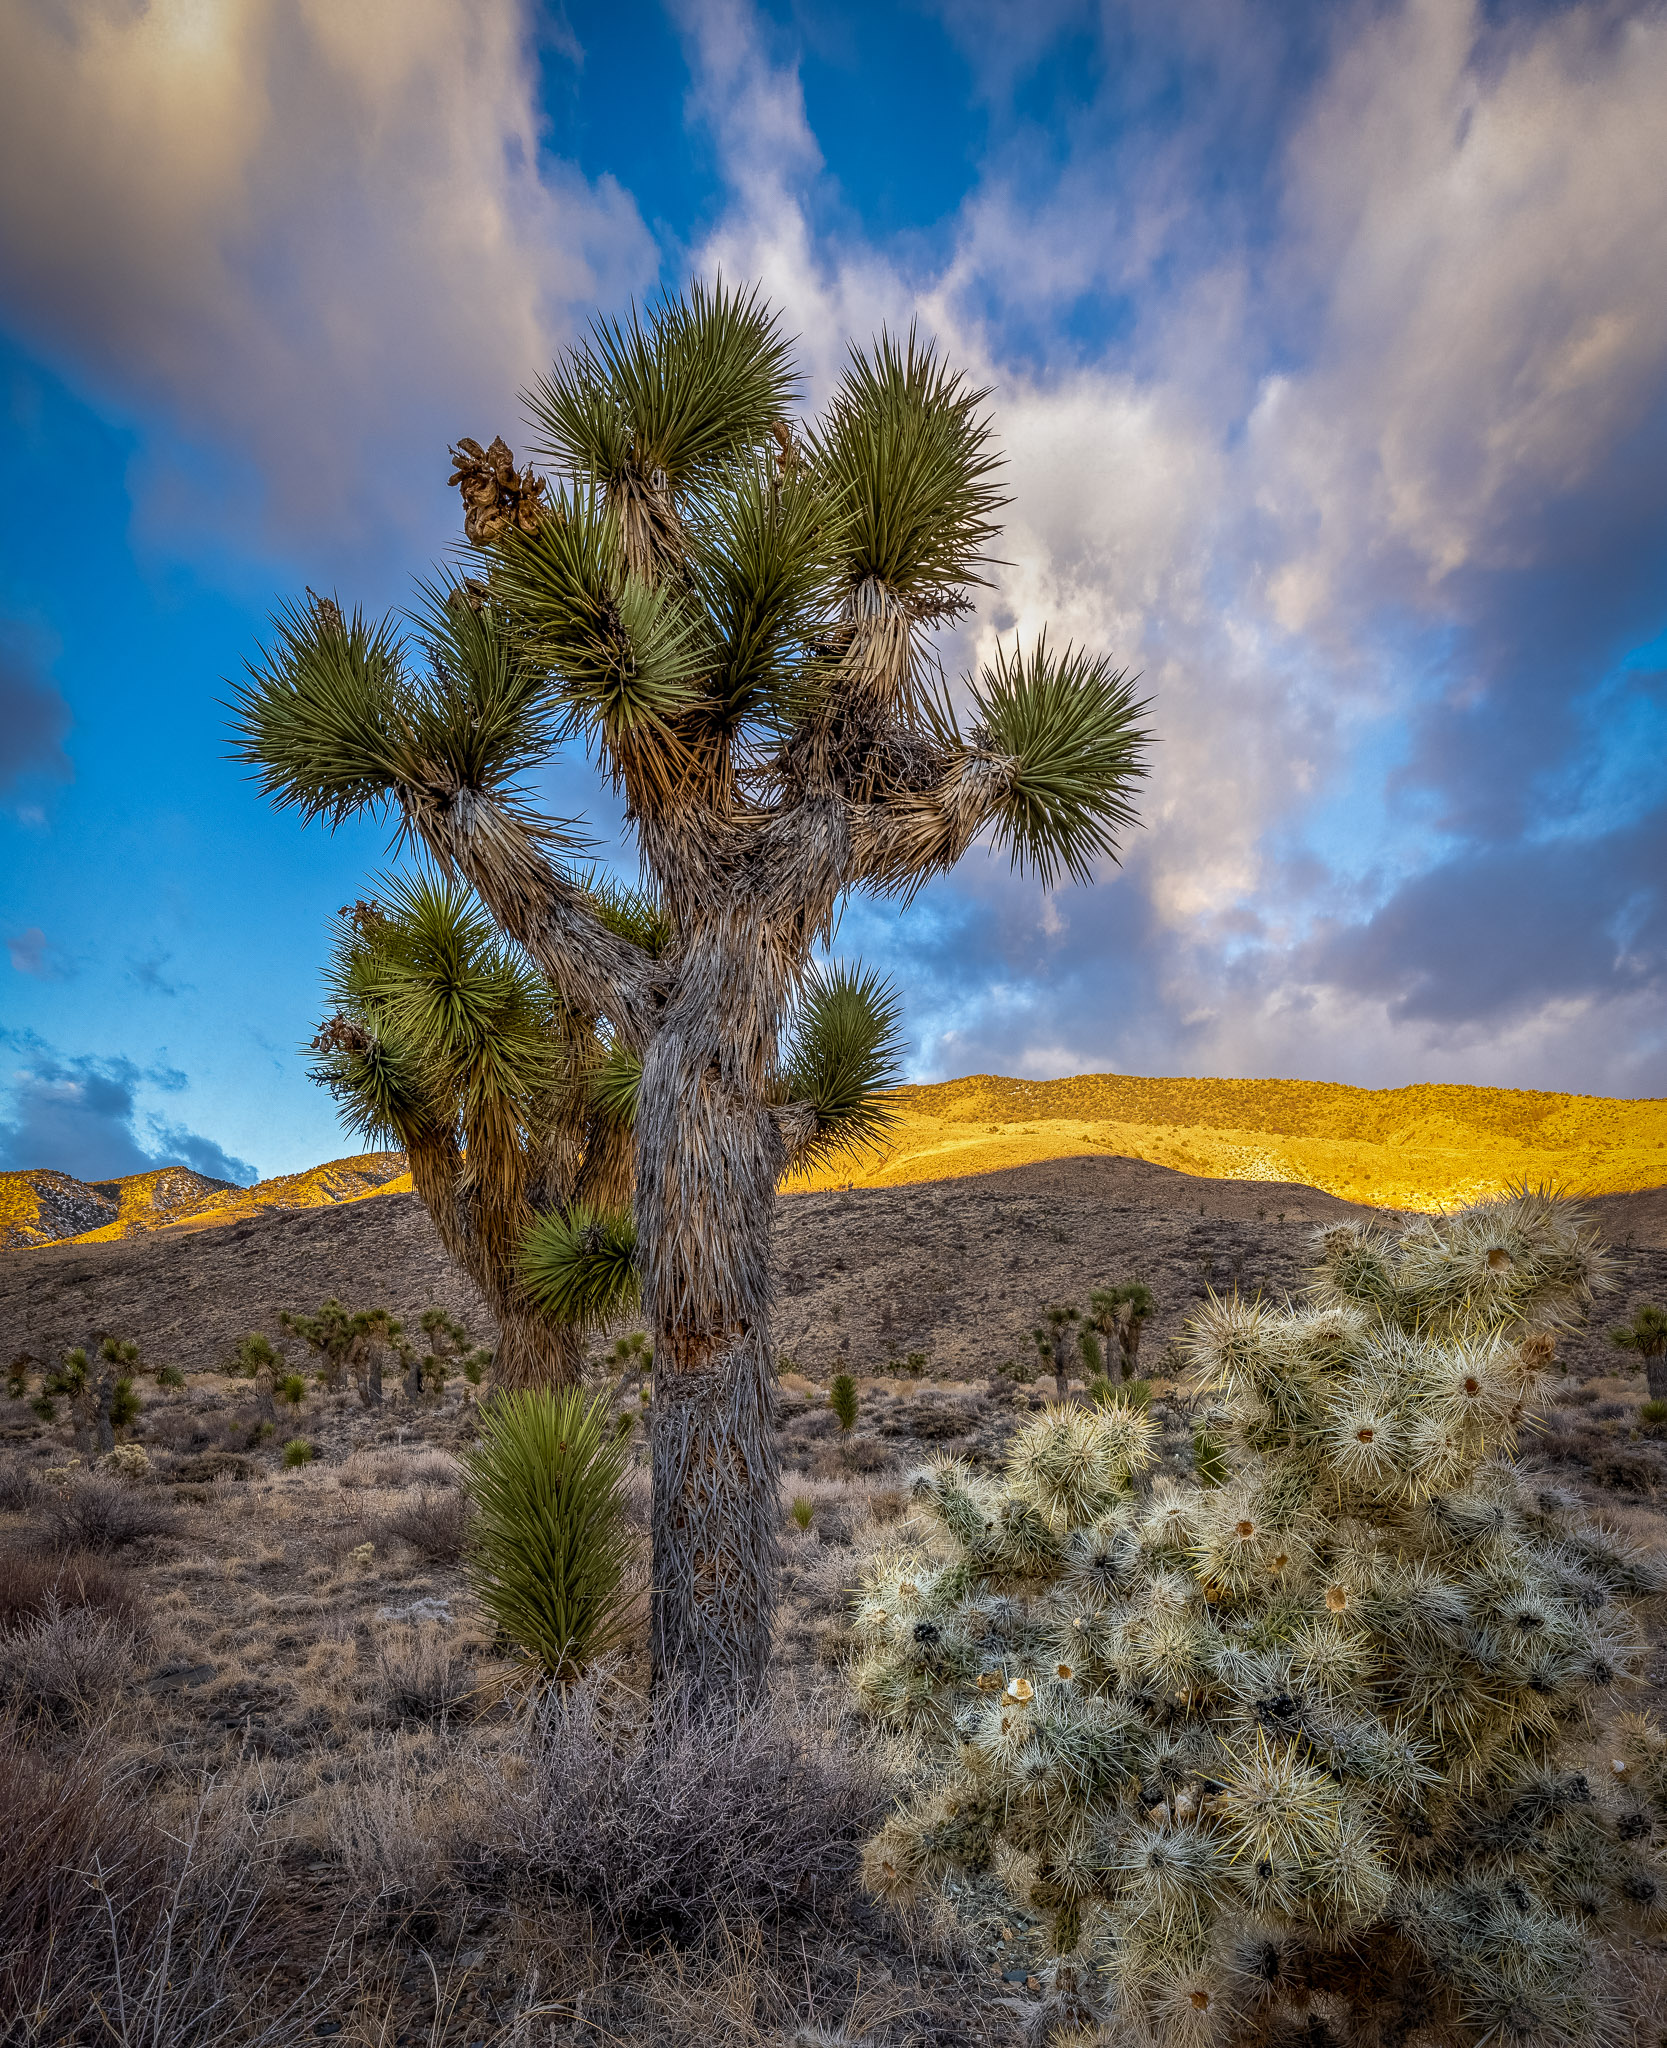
(496, 849)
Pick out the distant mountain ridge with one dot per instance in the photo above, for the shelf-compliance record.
(42, 1206)
(1429, 1146)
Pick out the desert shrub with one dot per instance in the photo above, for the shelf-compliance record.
(17, 1376)
(1209, 1458)
(420, 1676)
(18, 1490)
(667, 1825)
(57, 1822)
(167, 1945)
(103, 1513)
(30, 1580)
(1304, 1731)
(1135, 1393)
(803, 1511)
(298, 1452)
(549, 1544)
(842, 1399)
(67, 1664)
(434, 1521)
(1019, 1370)
(291, 1389)
(169, 1376)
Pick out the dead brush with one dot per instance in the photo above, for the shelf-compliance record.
(421, 1676)
(127, 1928)
(434, 1521)
(104, 1514)
(19, 1490)
(662, 1824)
(67, 1666)
(30, 1579)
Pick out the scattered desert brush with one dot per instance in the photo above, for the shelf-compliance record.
(1302, 1733)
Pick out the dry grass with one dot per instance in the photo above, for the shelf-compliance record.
(30, 1580)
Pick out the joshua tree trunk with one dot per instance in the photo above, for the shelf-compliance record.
(710, 1152)
(532, 1350)
(1655, 1375)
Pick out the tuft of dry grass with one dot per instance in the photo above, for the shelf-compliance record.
(421, 1675)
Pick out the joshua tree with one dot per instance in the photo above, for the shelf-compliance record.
(1297, 1743)
(344, 1342)
(255, 1359)
(448, 1043)
(734, 615)
(1646, 1334)
(1122, 1313)
(1053, 1341)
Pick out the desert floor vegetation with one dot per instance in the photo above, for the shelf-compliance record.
(261, 1704)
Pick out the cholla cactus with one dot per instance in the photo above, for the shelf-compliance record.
(1292, 1744)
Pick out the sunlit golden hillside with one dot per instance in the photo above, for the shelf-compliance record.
(1400, 1148)
(48, 1207)
(1412, 1148)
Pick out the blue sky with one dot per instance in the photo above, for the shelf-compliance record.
(1328, 347)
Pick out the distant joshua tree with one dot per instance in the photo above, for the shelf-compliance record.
(1052, 1338)
(733, 615)
(1120, 1314)
(1646, 1335)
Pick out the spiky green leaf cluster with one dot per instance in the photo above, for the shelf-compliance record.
(1219, 1737)
(842, 1059)
(712, 599)
(549, 1543)
(1069, 724)
(580, 1266)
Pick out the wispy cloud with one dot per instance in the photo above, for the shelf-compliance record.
(31, 952)
(34, 719)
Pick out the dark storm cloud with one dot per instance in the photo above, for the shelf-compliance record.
(34, 718)
(1505, 929)
(78, 1115)
(1534, 639)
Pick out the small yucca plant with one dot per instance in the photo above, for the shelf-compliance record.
(1293, 1744)
(842, 1399)
(550, 1547)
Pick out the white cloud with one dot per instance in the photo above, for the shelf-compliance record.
(319, 237)
(1467, 298)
